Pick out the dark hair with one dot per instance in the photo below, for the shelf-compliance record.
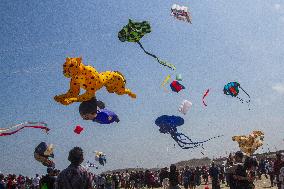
(76, 156)
(1, 176)
(90, 106)
(173, 168)
(250, 162)
(49, 170)
(239, 154)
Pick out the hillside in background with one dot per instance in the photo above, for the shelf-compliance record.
(198, 162)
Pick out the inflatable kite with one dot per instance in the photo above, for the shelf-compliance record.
(204, 95)
(42, 154)
(133, 32)
(176, 86)
(181, 13)
(249, 144)
(16, 128)
(232, 89)
(105, 116)
(184, 107)
(168, 125)
(78, 129)
(88, 78)
(100, 157)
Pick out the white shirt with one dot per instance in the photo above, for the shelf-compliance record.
(36, 181)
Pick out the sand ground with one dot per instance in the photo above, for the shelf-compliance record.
(260, 184)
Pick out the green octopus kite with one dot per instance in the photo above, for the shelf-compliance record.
(133, 32)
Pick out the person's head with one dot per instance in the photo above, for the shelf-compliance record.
(173, 168)
(278, 156)
(1, 176)
(88, 109)
(213, 164)
(250, 163)
(49, 171)
(239, 156)
(76, 156)
(187, 167)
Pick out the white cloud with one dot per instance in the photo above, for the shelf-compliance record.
(279, 87)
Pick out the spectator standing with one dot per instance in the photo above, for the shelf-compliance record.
(47, 181)
(278, 164)
(242, 181)
(2, 182)
(74, 176)
(173, 177)
(186, 175)
(214, 174)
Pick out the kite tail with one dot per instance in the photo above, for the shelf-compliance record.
(34, 127)
(184, 141)
(210, 139)
(248, 102)
(200, 143)
(164, 63)
(244, 91)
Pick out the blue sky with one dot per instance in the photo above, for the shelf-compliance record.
(228, 41)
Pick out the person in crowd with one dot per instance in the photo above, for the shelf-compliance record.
(205, 174)
(214, 174)
(186, 175)
(197, 176)
(2, 182)
(173, 177)
(74, 176)
(241, 179)
(36, 182)
(270, 172)
(48, 181)
(278, 164)
(192, 179)
(126, 177)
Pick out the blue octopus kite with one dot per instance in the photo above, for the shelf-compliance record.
(169, 124)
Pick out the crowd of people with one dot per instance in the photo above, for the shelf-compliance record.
(238, 172)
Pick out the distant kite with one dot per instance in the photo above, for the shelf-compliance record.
(16, 128)
(204, 95)
(179, 77)
(168, 125)
(181, 13)
(133, 32)
(232, 89)
(78, 129)
(42, 154)
(249, 144)
(166, 80)
(176, 86)
(100, 157)
(184, 107)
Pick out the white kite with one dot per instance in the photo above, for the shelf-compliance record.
(181, 13)
(184, 107)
